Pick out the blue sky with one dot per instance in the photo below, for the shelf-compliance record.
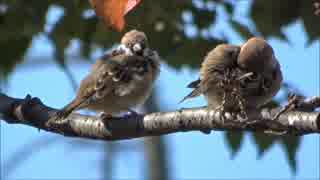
(192, 155)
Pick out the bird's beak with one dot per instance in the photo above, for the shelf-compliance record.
(123, 48)
(137, 47)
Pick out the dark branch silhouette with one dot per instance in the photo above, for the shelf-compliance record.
(31, 111)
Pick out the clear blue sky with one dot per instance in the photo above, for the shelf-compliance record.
(192, 155)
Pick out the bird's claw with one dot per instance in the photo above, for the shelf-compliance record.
(50, 122)
(131, 114)
(294, 101)
(222, 112)
(57, 118)
(105, 116)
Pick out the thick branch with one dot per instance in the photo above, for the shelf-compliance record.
(32, 112)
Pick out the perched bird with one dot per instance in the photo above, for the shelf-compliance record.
(213, 72)
(118, 80)
(257, 56)
(235, 78)
(115, 85)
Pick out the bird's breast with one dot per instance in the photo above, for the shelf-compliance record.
(135, 92)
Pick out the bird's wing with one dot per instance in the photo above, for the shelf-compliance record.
(89, 89)
(194, 84)
(195, 92)
(103, 77)
(116, 74)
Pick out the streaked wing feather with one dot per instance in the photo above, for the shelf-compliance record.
(194, 84)
(195, 92)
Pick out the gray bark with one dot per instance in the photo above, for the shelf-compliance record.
(32, 112)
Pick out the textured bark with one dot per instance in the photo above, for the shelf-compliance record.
(155, 148)
(32, 112)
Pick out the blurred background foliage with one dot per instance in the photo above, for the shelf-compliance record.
(166, 23)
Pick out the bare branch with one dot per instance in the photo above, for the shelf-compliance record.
(32, 112)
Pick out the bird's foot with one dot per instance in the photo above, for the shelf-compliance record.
(223, 114)
(105, 116)
(59, 117)
(236, 117)
(240, 116)
(294, 101)
(131, 114)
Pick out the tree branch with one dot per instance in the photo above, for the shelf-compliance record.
(32, 112)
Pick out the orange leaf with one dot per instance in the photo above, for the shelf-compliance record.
(113, 11)
(130, 5)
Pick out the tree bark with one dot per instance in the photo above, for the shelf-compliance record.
(155, 148)
(32, 112)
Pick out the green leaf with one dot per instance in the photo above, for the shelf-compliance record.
(241, 29)
(263, 142)
(234, 141)
(229, 7)
(19, 23)
(15, 48)
(191, 52)
(309, 19)
(90, 27)
(204, 18)
(271, 16)
(290, 146)
(63, 32)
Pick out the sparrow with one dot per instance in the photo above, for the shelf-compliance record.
(237, 78)
(118, 80)
(258, 57)
(115, 85)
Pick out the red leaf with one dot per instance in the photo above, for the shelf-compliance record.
(113, 11)
(130, 5)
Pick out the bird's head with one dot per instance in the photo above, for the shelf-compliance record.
(227, 51)
(223, 55)
(135, 41)
(257, 55)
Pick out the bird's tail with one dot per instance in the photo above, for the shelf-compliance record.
(195, 92)
(194, 84)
